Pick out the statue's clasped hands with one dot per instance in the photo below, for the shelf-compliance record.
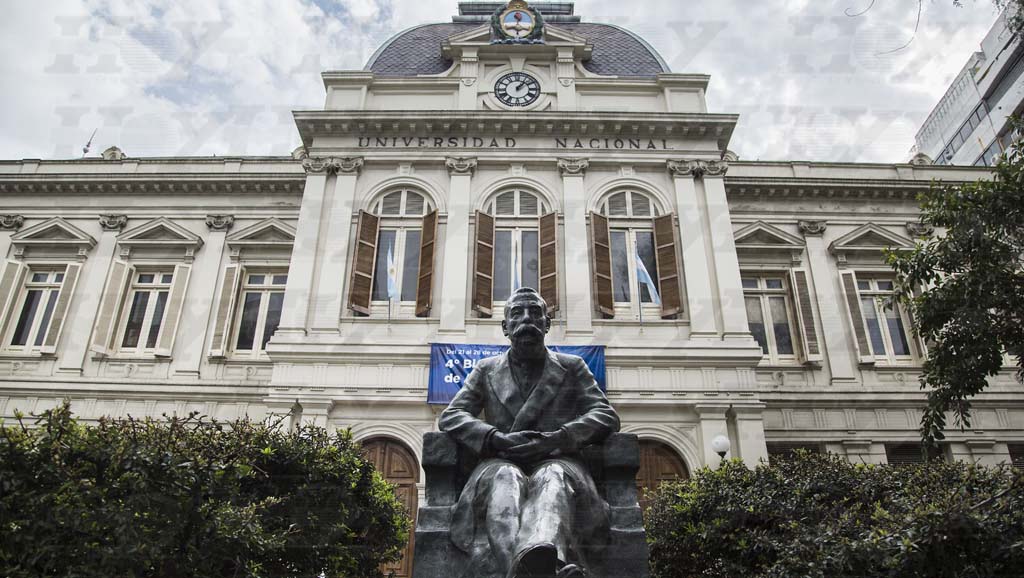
(528, 446)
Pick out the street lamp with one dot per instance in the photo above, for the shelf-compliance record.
(720, 445)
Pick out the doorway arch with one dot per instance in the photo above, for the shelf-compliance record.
(398, 464)
(659, 463)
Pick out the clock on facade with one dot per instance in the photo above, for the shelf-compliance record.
(517, 89)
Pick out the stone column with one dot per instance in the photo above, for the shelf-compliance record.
(578, 305)
(332, 281)
(838, 353)
(723, 247)
(693, 238)
(297, 294)
(81, 319)
(8, 225)
(457, 261)
(713, 422)
(750, 442)
(195, 319)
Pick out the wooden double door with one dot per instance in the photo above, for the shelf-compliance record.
(658, 464)
(399, 466)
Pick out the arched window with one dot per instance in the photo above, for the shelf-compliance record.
(516, 238)
(636, 269)
(393, 270)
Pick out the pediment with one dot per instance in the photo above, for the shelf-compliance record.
(761, 235)
(55, 231)
(870, 237)
(160, 231)
(267, 233)
(481, 33)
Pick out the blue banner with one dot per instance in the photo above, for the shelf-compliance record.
(451, 363)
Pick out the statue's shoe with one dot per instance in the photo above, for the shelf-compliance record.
(540, 561)
(571, 571)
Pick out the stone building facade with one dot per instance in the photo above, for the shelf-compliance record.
(258, 286)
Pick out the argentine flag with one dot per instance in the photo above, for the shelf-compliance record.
(393, 294)
(516, 283)
(645, 278)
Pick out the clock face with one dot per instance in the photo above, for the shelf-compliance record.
(517, 89)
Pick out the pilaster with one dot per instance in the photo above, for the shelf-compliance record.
(750, 442)
(457, 262)
(723, 247)
(838, 350)
(566, 68)
(332, 280)
(295, 312)
(469, 78)
(578, 304)
(71, 360)
(9, 224)
(713, 422)
(696, 265)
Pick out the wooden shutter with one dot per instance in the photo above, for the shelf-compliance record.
(602, 248)
(483, 276)
(425, 282)
(233, 274)
(172, 317)
(11, 280)
(548, 260)
(110, 305)
(804, 307)
(668, 266)
(363, 262)
(60, 310)
(856, 317)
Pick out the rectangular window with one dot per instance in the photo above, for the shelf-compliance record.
(35, 310)
(886, 322)
(628, 288)
(1016, 455)
(404, 247)
(901, 454)
(259, 312)
(145, 310)
(770, 315)
(516, 257)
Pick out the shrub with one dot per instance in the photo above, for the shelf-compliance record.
(187, 497)
(819, 515)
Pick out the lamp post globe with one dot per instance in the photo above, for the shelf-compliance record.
(720, 445)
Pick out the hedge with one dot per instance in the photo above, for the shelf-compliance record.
(819, 515)
(187, 497)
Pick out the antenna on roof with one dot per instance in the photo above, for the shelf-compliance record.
(88, 145)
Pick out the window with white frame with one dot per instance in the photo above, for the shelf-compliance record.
(516, 241)
(260, 300)
(631, 235)
(145, 310)
(885, 322)
(398, 246)
(34, 310)
(770, 315)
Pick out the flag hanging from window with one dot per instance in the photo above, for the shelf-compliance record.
(393, 294)
(516, 280)
(645, 279)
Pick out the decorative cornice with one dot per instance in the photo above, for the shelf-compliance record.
(11, 222)
(573, 167)
(715, 168)
(349, 165)
(918, 229)
(460, 166)
(111, 222)
(812, 228)
(698, 169)
(220, 222)
(318, 165)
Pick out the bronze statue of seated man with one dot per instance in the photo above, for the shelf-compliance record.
(530, 504)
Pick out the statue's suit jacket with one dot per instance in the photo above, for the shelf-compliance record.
(565, 397)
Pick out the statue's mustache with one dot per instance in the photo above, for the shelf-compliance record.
(523, 327)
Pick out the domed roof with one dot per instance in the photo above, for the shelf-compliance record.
(617, 51)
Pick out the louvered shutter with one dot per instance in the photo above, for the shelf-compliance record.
(483, 275)
(856, 317)
(804, 306)
(60, 310)
(226, 301)
(11, 280)
(425, 282)
(363, 262)
(668, 266)
(110, 305)
(548, 260)
(172, 317)
(602, 248)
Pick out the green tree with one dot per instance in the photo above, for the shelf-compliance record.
(965, 288)
(186, 497)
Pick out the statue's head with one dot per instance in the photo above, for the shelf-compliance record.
(526, 316)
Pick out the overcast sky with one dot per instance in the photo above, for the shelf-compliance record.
(221, 77)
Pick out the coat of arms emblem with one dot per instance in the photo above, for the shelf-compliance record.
(517, 23)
